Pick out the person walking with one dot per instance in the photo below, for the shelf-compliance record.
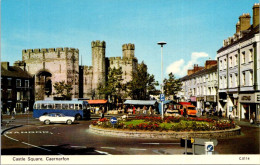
(220, 113)
(13, 115)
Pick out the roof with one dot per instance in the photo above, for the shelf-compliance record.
(97, 101)
(169, 101)
(14, 71)
(247, 36)
(140, 102)
(201, 72)
(60, 101)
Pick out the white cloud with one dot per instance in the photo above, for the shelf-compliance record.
(180, 68)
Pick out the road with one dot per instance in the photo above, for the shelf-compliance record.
(34, 138)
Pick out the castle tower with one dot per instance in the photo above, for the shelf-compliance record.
(98, 63)
(128, 50)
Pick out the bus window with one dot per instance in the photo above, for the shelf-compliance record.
(65, 106)
(80, 106)
(44, 106)
(57, 106)
(71, 106)
(76, 106)
(50, 106)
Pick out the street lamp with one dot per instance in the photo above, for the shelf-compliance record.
(162, 43)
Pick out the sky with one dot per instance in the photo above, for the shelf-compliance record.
(193, 29)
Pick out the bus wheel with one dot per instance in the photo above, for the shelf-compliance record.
(69, 122)
(78, 117)
(47, 122)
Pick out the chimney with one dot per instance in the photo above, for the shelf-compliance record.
(238, 27)
(5, 65)
(244, 21)
(255, 15)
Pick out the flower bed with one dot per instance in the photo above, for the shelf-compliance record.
(168, 123)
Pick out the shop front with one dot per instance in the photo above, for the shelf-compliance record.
(250, 106)
(193, 100)
(200, 102)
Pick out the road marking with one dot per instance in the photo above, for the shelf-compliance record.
(102, 152)
(11, 138)
(160, 143)
(36, 146)
(49, 145)
(112, 148)
(78, 146)
(138, 149)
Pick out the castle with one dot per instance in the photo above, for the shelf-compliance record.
(52, 65)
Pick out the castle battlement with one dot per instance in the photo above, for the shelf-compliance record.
(98, 43)
(88, 68)
(37, 50)
(115, 58)
(128, 46)
(245, 15)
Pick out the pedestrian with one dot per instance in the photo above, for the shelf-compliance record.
(151, 110)
(138, 110)
(25, 109)
(133, 109)
(144, 110)
(13, 115)
(220, 113)
(8, 111)
(253, 118)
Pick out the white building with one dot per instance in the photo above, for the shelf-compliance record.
(239, 69)
(200, 86)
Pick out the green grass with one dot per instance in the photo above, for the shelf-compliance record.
(135, 122)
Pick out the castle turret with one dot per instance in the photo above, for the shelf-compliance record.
(128, 50)
(98, 63)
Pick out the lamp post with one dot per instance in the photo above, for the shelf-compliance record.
(162, 43)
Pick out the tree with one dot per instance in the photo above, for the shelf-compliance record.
(142, 84)
(172, 85)
(63, 90)
(113, 87)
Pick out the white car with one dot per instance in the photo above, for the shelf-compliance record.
(56, 118)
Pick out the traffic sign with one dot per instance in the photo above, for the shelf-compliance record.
(162, 97)
(209, 146)
(113, 120)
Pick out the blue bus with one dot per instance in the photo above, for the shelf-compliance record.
(75, 108)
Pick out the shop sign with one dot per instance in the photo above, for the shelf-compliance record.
(200, 98)
(193, 98)
(211, 98)
(249, 98)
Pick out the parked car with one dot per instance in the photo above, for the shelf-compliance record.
(56, 118)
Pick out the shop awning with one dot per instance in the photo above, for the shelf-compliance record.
(97, 101)
(140, 102)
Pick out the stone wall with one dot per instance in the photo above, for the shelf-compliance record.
(164, 135)
(59, 64)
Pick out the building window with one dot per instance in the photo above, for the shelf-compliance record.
(251, 78)
(220, 85)
(236, 80)
(225, 63)
(243, 58)
(27, 83)
(9, 93)
(9, 81)
(243, 78)
(18, 96)
(230, 61)
(18, 83)
(230, 81)
(220, 65)
(251, 57)
(225, 82)
(236, 59)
